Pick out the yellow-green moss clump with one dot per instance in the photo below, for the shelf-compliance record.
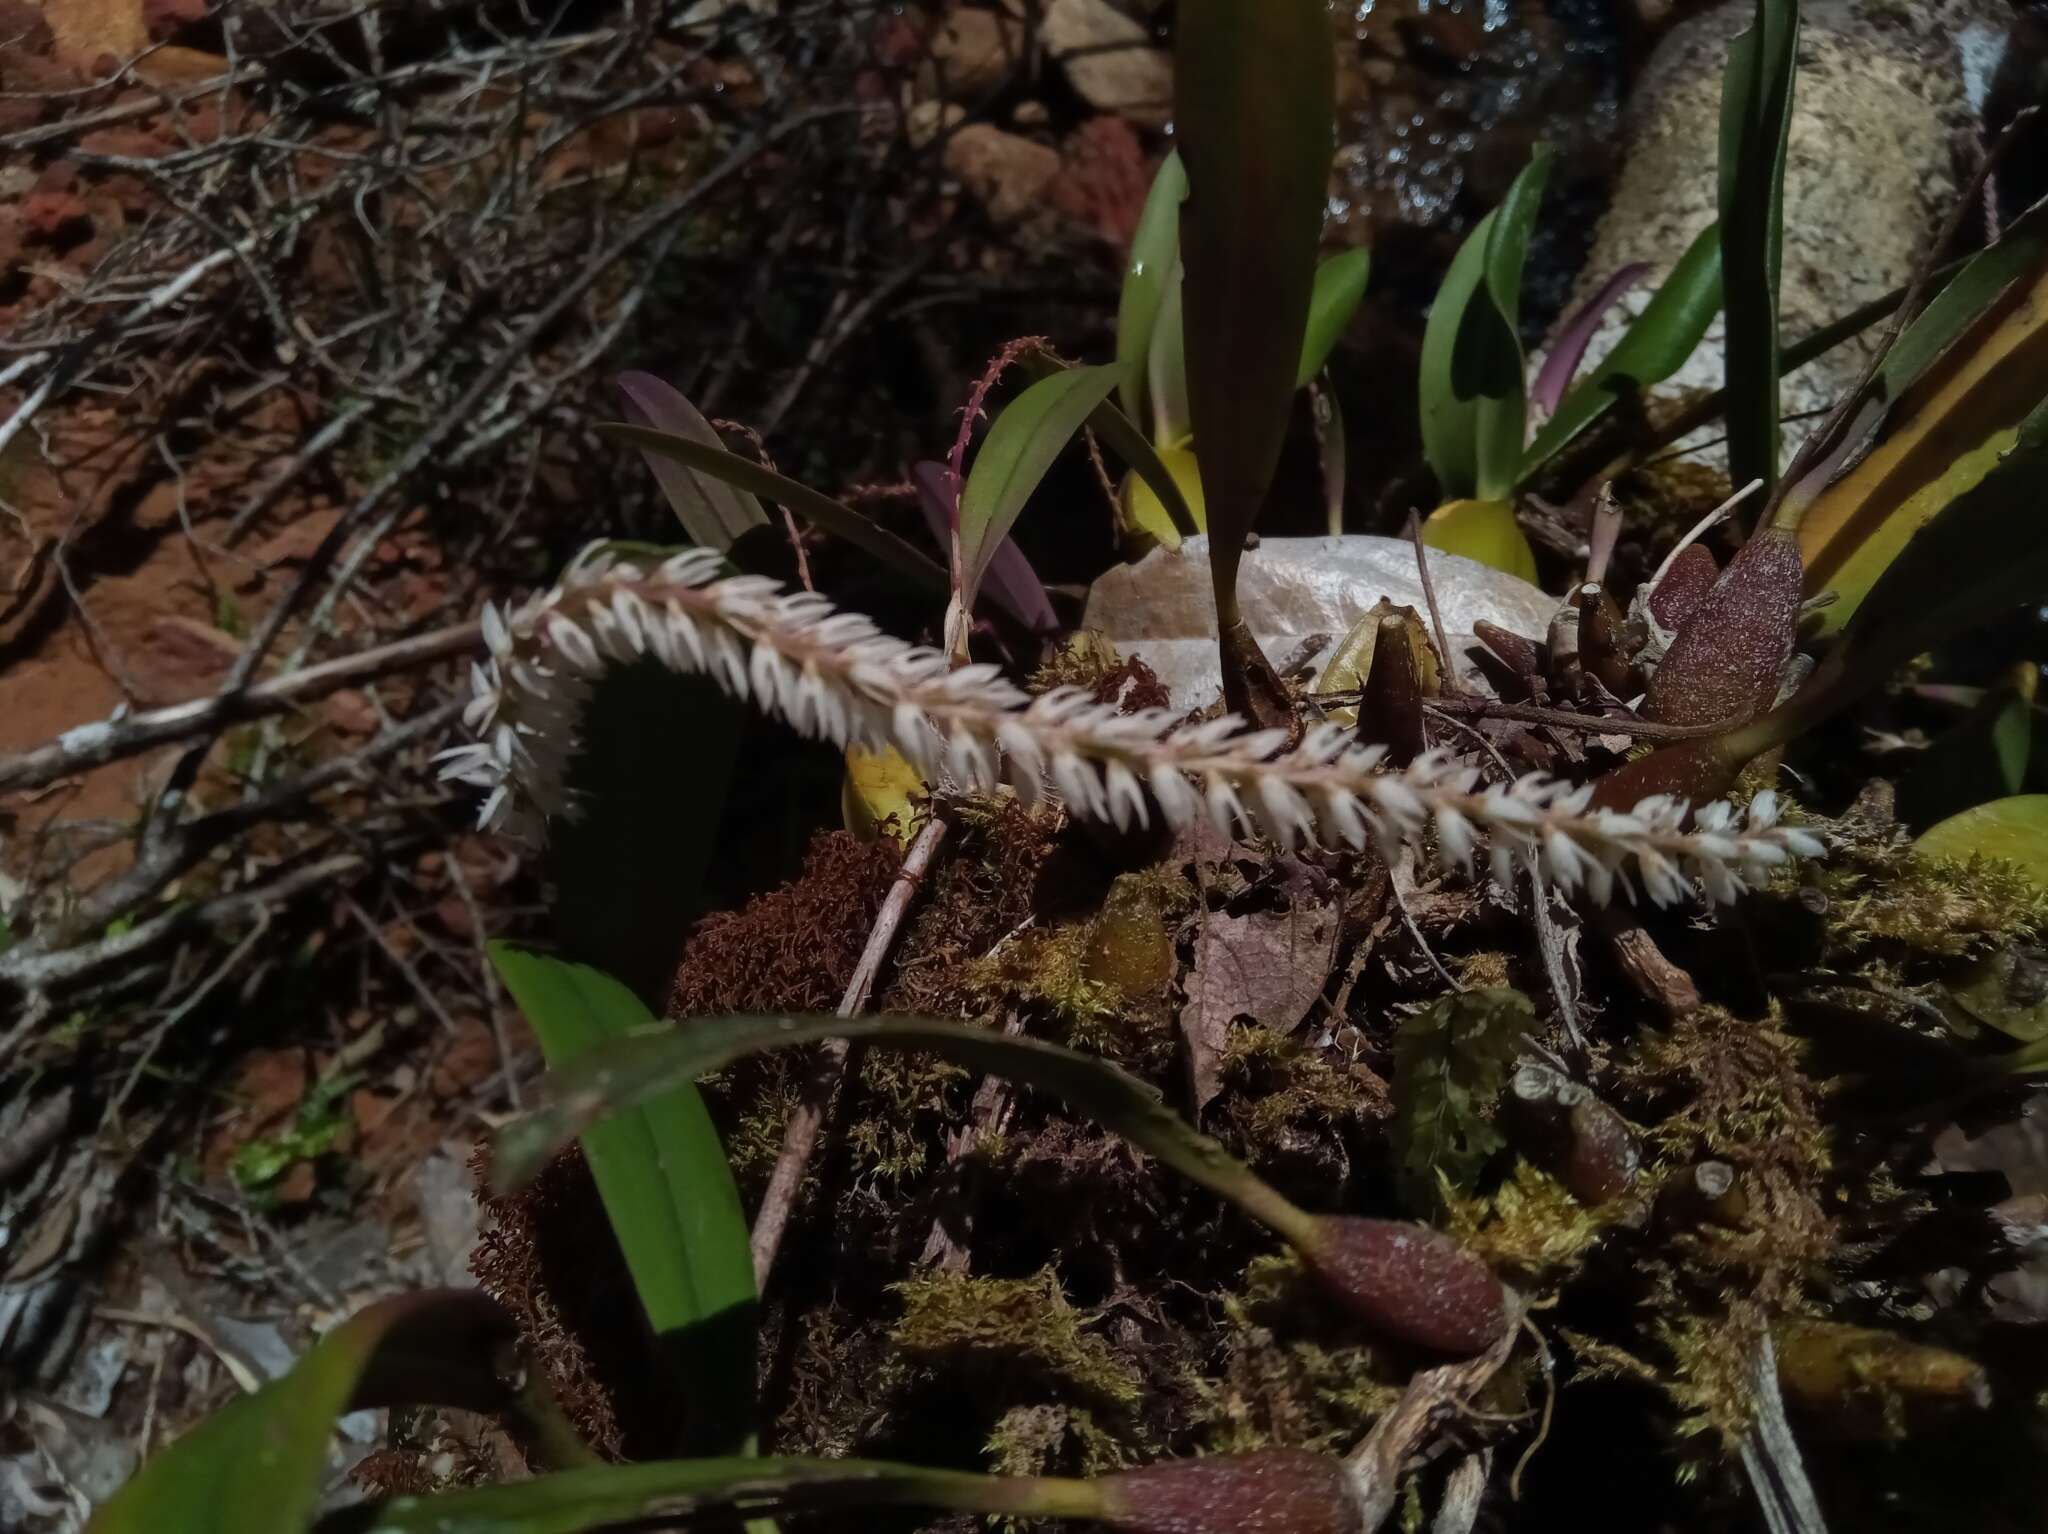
(1296, 1372)
(1530, 1228)
(1011, 1334)
(1733, 1089)
(1105, 978)
(1882, 894)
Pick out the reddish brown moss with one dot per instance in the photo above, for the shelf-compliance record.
(547, 1254)
(793, 949)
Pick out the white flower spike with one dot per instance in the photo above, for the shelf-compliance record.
(835, 676)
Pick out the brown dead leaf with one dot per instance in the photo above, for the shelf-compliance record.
(1269, 966)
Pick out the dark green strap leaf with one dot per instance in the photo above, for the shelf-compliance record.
(1155, 253)
(1488, 359)
(1254, 105)
(712, 512)
(1023, 443)
(258, 1465)
(667, 1190)
(633, 1071)
(1756, 121)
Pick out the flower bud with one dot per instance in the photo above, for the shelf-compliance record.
(1684, 587)
(1728, 657)
(1410, 1282)
(1277, 1491)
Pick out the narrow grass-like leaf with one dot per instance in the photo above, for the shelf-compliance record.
(1254, 106)
(1166, 369)
(1652, 349)
(1450, 421)
(258, 1465)
(712, 512)
(1155, 255)
(840, 520)
(1339, 290)
(1023, 443)
(629, 1073)
(696, 1489)
(1756, 122)
(1123, 437)
(1488, 358)
(667, 1190)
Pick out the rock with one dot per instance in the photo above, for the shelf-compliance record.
(1161, 610)
(1869, 173)
(927, 121)
(1004, 172)
(1104, 180)
(1110, 60)
(975, 53)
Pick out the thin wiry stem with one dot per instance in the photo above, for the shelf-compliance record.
(835, 676)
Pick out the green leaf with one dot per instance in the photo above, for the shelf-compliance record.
(1650, 351)
(839, 520)
(258, 1465)
(1756, 121)
(2014, 830)
(1121, 435)
(1339, 290)
(1909, 456)
(1450, 1062)
(627, 1074)
(712, 512)
(1450, 421)
(1155, 256)
(667, 1190)
(1030, 434)
(1166, 370)
(1983, 552)
(689, 1490)
(1254, 105)
(1486, 359)
(1485, 531)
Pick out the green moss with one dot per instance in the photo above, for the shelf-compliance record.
(1021, 1330)
(1530, 1227)
(1295, 1374)
(1278, 1090)
(904, 1105)
(1881, 894)
(1052, 1440)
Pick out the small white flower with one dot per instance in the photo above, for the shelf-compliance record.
(833, 675)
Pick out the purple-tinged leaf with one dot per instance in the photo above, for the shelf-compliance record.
(1555, 376)
(712, 512)
(1010, 579)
